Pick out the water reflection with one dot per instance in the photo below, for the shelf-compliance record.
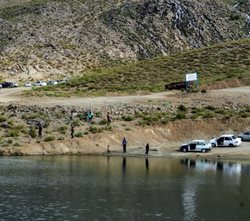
(120, 188)
(146, 164)
(124, 165)
(233, 169)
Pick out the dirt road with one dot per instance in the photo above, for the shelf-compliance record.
(234, 95)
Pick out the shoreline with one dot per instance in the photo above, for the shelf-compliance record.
(241, 153)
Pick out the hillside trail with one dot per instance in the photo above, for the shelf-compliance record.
(216, 97)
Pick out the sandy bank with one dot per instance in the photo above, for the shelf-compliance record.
(164, 141)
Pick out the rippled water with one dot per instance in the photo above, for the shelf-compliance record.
(101, 188)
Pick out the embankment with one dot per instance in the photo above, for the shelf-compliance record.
(162, 138)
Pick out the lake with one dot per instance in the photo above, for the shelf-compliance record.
(117, 188)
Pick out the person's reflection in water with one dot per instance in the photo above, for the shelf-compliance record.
(124, 165)
(108, 158)
(219, 166)
(146, 164)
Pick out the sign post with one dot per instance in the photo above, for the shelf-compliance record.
(191, 77)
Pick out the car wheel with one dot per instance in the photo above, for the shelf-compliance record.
(213, 145)
(203, 150)
(184, 150)
(231, 145)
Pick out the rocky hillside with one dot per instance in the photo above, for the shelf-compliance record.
(43, 38)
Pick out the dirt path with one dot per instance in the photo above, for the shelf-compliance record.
(216, 97)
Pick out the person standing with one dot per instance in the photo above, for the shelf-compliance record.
(124, 144)
(72, 131)
(40, 130)
(108, 118)
(108, 150)
(147, 149)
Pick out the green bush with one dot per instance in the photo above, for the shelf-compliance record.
(180, 116)
(49, 138)
(94, 129)
(2, 119)
(103, 122)
(9, 141)
(76, 122)
(210, 108)
(60, 138)
(208, 115)
(127, 118)
(32, 132)
(12, 133)
(182, 108)
(62, 129)
(79, 134)
(16, 144)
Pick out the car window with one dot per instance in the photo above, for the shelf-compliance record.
(227, 138)
(234, 137)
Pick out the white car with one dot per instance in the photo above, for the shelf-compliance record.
(196, 145)
(227, 140)
(245, 136)
(40, 83)
(27, 84)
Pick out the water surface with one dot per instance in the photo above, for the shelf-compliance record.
(116, 188)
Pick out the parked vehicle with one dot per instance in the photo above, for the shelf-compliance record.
(28, 84)
(196, 145)
(245, 136)
(62, 81)
(8, 85)
(40, 83)
(15, 84)
(52, 83)
(176, 86)
(228, 140)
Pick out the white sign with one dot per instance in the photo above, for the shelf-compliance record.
(191, 77)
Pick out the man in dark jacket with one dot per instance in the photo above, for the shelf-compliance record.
(124, 144)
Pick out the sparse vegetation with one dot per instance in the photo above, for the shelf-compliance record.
(214, 63)
(49, 138)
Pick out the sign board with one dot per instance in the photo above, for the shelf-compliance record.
(192, 77)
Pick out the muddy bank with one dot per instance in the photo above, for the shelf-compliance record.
(163, 140)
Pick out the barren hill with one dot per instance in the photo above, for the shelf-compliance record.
(41, 38)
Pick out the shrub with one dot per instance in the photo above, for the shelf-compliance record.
(12, 133)
(32, 132)
(49, 138)
(17, 144)
(103, 122)
(182, 108)
(81, 116)
(244, 115)
(208, 115)
(203, 90)
(60, 138)
(94, 130)
(127, 118)
(9, 141)
(2, 119)
(79, 134)
(210, 107)
(76, 123)
(180, 115)
(62, 129)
